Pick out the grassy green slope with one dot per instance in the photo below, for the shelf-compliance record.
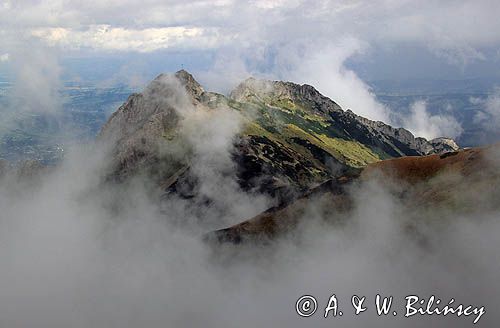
(288, 123)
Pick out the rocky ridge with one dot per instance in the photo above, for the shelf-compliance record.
(293, 137)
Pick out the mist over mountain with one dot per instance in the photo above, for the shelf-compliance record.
(197, 209)
(262, 163)
(194, 208)
(291, 138)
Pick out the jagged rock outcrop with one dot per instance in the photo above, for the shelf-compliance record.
(277, 91)
(394, 141)
(442, 145)
(293, 137)
(147, 123)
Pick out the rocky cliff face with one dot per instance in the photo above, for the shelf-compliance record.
(292, 137)
(147, 124)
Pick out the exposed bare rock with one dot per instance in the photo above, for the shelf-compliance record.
(143, 131)
(293, 137)
(275, 91)
(393, 141)
(443, 145)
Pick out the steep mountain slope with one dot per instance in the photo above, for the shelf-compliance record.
(292, 137)
(443, 186)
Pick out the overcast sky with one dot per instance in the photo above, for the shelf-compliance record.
(226, 40)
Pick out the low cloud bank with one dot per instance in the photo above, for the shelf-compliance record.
(489, 116)
(423, 124)
(75, 252)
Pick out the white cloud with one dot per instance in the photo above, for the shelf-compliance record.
(455, 29)
(36, 77)
(108, 38)
(323, 66)
(294, 40)
(489, 116)
(421, 123)
(4, 58)
(271, 4)
(317, 63)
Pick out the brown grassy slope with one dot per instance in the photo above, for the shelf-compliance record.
(466, 180)
(413, 169)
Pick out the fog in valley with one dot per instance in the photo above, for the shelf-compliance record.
(76, 251)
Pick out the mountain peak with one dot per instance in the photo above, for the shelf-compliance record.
(188, 81)
(292, 132)
(253, 89)
(184, 75)
(185, 78)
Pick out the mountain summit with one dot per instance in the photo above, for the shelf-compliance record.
(292, 136)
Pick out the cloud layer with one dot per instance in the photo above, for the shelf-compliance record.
(454, 29)
(303, 41)
(423, 124)
(76, 252)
